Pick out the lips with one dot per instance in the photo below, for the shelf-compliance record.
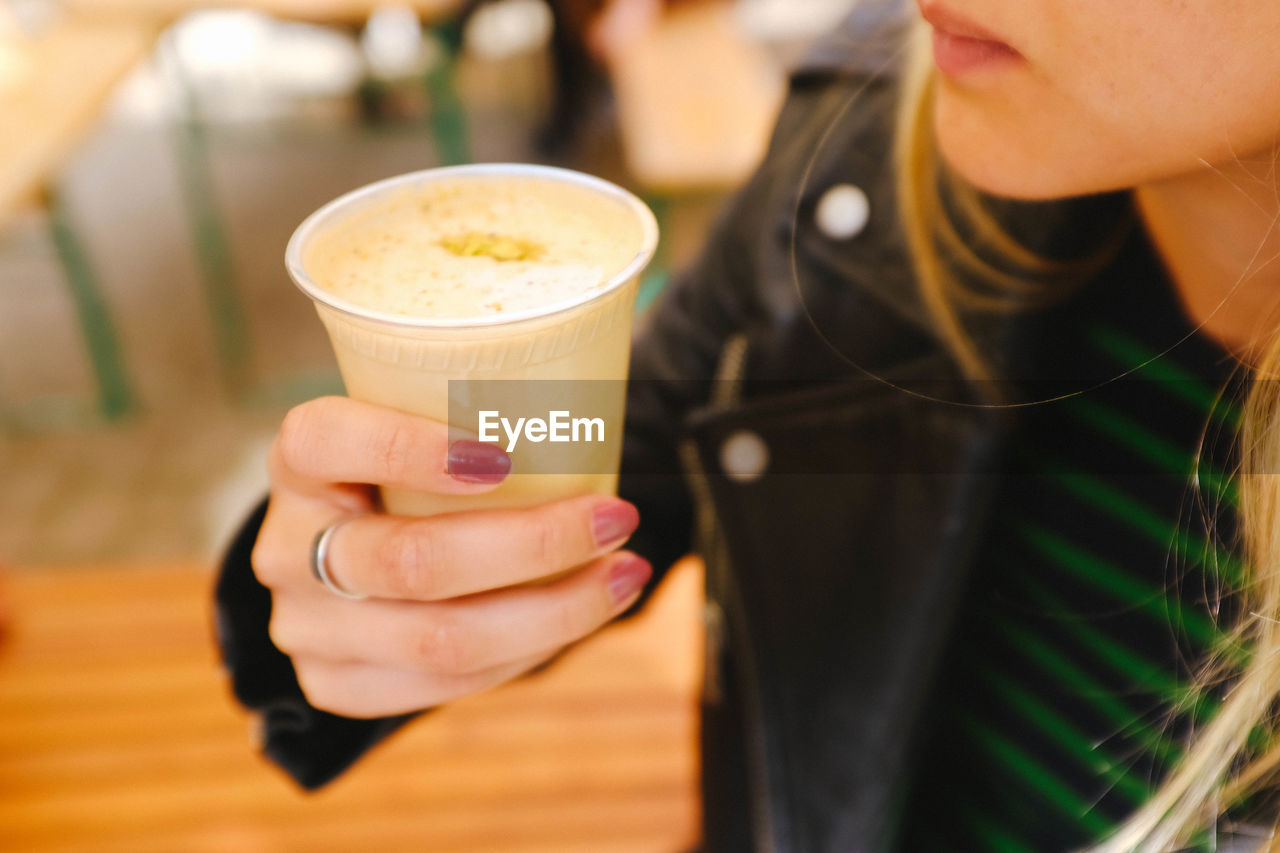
(961, 46)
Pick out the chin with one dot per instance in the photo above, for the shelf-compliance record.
(997, 171)
(995, 158)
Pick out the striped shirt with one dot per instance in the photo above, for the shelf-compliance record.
(1065, 696)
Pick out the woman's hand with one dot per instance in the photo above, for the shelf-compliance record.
(448, 612)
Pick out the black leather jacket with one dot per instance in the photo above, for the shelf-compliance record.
(776, 425)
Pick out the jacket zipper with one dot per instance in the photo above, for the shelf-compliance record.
(725, 392)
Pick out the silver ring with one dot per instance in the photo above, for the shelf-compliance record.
(320, 559)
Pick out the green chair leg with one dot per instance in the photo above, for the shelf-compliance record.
(231, 339)
(448, 116)
(116, 397)
(232, 342)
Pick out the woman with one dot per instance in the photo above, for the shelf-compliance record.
(945, 611)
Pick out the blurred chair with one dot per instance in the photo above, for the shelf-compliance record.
(218, 276)
(697, 99)
(55, 76)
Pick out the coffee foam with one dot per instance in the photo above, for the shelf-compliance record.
(475, 247)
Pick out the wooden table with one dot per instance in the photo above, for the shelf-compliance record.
(55, 83)
(117, 734)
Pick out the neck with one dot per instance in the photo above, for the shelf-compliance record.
(1218, 232)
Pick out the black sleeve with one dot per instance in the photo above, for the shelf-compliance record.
(311, 745)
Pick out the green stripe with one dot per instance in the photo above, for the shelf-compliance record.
(960, 808)
(1177, 380)
(1115, 581)
(994, 838)
(1121, 658)
(1154, 448)
(1151, 524)
(1041, 654)
(1066, 735)
(1037, 777)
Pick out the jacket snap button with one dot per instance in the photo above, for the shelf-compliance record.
(842, 212)
(744, 456)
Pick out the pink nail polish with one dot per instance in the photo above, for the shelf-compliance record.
(628, 578)
(477, 462)
(613, 522)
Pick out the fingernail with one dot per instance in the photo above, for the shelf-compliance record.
(477, 462)
(628, 578)
(613, 522)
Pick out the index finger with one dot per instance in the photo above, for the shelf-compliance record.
(340, 440)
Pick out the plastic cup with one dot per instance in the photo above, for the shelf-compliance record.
(411, 362)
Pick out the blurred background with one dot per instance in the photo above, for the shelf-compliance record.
(155, 155)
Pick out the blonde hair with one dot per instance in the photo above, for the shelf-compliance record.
(1223, 762)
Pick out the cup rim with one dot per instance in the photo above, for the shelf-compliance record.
(304, 282)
